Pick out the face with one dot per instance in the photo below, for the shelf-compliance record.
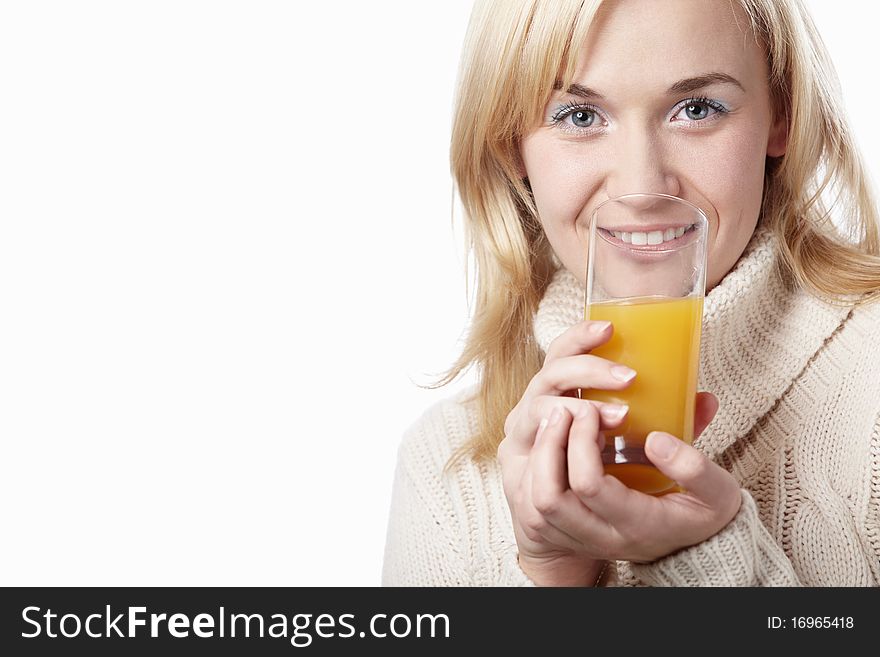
(668, 97)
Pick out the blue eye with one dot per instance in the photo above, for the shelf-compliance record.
(699, 109)
(583, 118)
(575, 118)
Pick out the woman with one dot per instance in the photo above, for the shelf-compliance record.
(731, 105)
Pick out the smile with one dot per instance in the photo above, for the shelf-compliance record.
(664, 237)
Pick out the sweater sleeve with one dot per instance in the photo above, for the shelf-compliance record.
(420, 546)
(439, 531)
(742, 554)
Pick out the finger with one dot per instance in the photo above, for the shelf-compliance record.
(605, 495)
(540, 525)
(547, 460)
(611, 415)
(544, 488)
(707, 406)
(585, 469)
(588, 483)
(522, 436)
(578, 339)
(705, 480)
(549, 487)
(581, 371)
(602, 493)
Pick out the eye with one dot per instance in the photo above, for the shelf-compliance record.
(698, 109)
(583, 118)
(577, 119)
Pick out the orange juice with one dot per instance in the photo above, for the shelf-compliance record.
(658, 337)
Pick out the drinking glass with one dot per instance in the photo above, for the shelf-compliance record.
(646, 274)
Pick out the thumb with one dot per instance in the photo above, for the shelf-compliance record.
(705, 480)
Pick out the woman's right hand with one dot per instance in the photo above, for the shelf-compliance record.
(547, 554)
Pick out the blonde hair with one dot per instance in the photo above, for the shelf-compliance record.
(514, 52)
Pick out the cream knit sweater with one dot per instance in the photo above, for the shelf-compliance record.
(798, 426)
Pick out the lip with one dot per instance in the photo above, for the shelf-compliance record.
(671, 245)
(642, 228)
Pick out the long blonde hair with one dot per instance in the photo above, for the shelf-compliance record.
(514, 52)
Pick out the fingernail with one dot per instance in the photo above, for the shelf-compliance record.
(582, 411)
(598, 327)
(556, 415)
(613, 412)
(541, 426)
(662, 444)
(622, 373)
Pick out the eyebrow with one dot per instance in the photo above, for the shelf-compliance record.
(692, 84)
(579, 90)
(681, 87)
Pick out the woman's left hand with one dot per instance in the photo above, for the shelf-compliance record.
(634, 526)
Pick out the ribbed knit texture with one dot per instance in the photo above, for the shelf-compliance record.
(798, 426)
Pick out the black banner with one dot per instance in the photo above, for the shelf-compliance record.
(337, 621)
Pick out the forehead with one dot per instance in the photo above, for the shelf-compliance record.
(653, 43)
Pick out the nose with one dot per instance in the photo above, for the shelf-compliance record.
(640, 166)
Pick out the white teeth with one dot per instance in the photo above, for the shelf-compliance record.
(652, 238)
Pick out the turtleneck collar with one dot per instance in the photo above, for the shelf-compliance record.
(759, 333)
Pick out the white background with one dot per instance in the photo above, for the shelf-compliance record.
(226, 258)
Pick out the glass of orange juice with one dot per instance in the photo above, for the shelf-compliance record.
(646, 274)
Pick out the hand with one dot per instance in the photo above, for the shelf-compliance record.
(610, 521)
(544, 546)
(567, 514)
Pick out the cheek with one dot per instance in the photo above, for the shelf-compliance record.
(562, 182)
(559, 183)
(731, 179)
(732, 174)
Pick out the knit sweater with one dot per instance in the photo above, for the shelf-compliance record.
(798, 426)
